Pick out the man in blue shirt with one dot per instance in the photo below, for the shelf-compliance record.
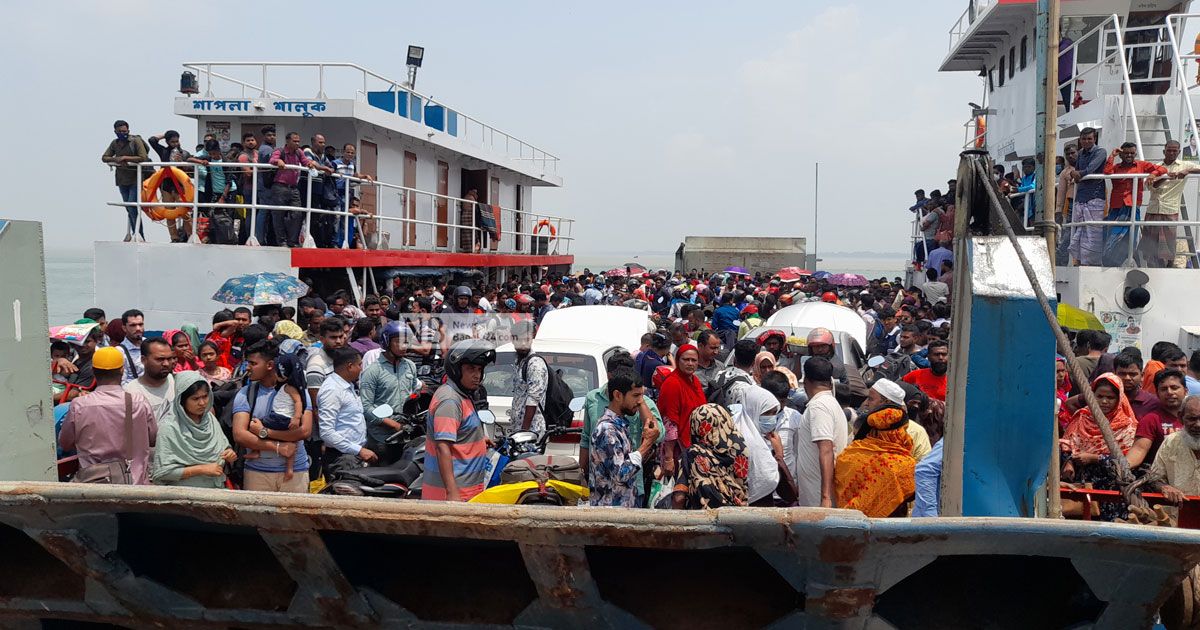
(921, 200)
(268, 472)
(1028, 185)
(928, 476)
(726, 320)
(340, 413)
(1087, 243)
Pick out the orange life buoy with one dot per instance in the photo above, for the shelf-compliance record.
(546, 223)
(980, 131)
(183, 184)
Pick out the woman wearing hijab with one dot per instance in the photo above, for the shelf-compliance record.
(191, 449)
(185, 354)
(717, 463)
(115, 331)
(1086, 458)
(1062, 381)
(680, 394)
(875, 475)
(757, 421)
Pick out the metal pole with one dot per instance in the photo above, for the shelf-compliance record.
(253, 240)
(816, 210)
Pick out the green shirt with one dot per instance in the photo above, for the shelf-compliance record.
(384, 383)
(593, 408)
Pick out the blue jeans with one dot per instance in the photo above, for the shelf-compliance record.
(129, 194)
(260, 219)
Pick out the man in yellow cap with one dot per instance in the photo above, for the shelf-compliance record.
(95, 423)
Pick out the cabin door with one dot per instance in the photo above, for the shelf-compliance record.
(410, 207)
(443, 209)
(368, 164)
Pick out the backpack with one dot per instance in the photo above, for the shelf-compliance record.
(557, 410)
(719, 388)
(268, 174)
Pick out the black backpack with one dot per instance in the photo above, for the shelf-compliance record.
(557, 410)
(719, 388)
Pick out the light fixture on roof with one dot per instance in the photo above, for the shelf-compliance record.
(416, 54)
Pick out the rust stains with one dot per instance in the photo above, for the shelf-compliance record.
(841, 603)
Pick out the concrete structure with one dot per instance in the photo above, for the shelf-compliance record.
(756, 253)
(26, 413)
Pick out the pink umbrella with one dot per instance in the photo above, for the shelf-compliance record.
(848, 280)
(618, 272)
(790, 274)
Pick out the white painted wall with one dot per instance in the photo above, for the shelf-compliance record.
(139, 275)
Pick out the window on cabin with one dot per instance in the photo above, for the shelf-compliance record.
(1001, 70)
(1012, 62)
(1024, 51)
(991, 83)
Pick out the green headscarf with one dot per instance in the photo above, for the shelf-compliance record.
(183, 442)
(194, 334)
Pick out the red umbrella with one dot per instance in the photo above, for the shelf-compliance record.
(618, 272)
(789, 274)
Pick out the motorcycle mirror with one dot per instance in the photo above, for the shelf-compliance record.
(735, 409)
(486, 416)
(383, 411)
(576, 404)
(875, 361)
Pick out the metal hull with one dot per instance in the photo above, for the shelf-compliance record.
(184, 558)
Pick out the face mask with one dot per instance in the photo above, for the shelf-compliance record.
(769, 423)
(1058, 169)
(122, 136)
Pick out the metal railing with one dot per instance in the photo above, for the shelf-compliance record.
(962, 26)
(521, 232)
(472, 130)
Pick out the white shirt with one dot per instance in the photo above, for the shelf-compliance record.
(340, 412)
(788, 425)
(160, 398)
(823, 419)
(935, 291)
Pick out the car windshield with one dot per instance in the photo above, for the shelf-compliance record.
(579, 372)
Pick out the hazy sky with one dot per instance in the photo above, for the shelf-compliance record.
(671, 118)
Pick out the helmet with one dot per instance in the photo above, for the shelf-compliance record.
(469, 351)
(462, 291)
(390, 331)
(829, 296)
(765, 337)
(820, 336)
(751, 309)
(525, 298)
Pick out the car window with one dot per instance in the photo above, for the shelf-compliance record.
(579, 372)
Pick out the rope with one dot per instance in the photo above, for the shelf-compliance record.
(1124, 475)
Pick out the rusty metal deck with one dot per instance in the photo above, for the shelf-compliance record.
(188, 558)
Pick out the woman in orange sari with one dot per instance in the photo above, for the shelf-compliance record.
(874, 475)
(1086, 458)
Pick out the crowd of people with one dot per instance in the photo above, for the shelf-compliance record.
(713, 409)
(1081, 200)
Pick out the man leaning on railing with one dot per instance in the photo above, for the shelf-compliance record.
(1158, 244)
(286, 224)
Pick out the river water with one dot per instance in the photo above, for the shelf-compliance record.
(69, 274)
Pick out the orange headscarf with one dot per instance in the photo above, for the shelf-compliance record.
(875, 474)
(1083, 434)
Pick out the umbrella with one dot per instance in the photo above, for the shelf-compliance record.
(741, 270)
(618, 272)
(72, 333)
(1076, 318)
(635, 268)
(821, 275)
(789, 274)
(848, 280)
(260, 288)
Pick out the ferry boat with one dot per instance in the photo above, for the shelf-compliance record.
(1127, 72)
(423, 156)
(142, 556)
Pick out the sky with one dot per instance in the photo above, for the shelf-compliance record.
(670, 118)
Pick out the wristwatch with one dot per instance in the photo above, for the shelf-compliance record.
(263, 433)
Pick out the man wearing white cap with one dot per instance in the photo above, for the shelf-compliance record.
(885, 391)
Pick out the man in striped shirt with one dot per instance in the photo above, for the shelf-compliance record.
(455, 445)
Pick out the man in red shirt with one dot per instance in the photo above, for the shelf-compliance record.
(1155, 426)
(932, 380)
(1122, 189)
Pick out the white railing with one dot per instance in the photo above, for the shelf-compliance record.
(471, 129)
(1187, 130)
(975, 9)
(1135, 221)
(521, 232)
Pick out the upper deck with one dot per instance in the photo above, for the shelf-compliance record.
(271, 91)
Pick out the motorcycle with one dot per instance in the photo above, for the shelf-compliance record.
(399, 480)
(520, 473)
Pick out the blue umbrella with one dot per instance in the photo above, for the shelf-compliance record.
(741, 270)
(260, 288)
(821, 275)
